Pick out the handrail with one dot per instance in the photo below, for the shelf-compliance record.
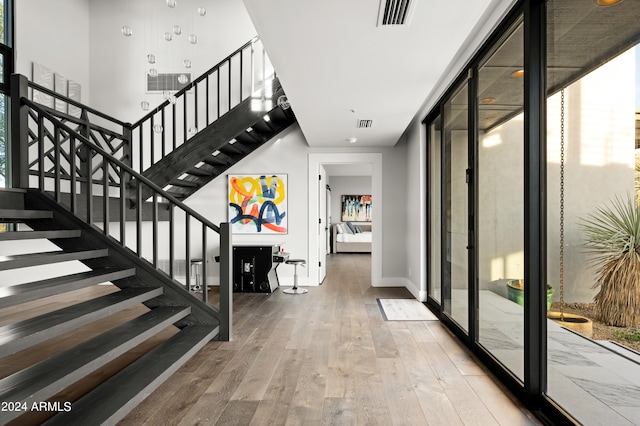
(117, 131)
(200, 103)
(122, 165)
(75, 103)
(174, 121)
(73, 147)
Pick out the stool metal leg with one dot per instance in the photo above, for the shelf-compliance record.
(295, 289)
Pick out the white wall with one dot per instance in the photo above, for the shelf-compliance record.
(415, 212)
(112, 69)
(289, 154)
(54, 34)
(119, 65)
(82, 41)
(346, 185)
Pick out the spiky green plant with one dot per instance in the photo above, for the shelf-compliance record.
(612, 239)
(636, 180)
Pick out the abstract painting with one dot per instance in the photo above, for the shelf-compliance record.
(42, 76)
(74, 91)
(60, 86)
(258, 204)
(356, 208)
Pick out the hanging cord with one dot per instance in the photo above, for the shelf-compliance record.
(562, 205)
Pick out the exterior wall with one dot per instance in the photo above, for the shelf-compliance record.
(501, 206)
(599, 163)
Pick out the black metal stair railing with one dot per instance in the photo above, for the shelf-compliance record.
(75, 170)
(108, 133)
(246, 73)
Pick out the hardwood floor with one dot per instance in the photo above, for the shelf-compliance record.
(328, 357)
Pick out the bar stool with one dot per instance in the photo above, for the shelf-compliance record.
(196, 265)
(295, 289)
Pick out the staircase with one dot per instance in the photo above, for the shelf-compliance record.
(78, 260)
(83, 246)
(226, 141)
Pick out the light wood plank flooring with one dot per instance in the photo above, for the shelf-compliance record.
(328, 357)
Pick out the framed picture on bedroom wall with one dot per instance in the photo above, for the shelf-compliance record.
(356, 208)
(258, 204)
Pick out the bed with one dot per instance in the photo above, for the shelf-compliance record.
(351, 239)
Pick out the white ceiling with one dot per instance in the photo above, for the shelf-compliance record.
(337, 66)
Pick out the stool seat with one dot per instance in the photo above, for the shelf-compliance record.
(295, 289)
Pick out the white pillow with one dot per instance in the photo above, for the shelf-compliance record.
(339, 228)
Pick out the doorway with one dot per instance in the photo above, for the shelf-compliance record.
(339, 164)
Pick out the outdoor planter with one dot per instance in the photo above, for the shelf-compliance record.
(515, 292)
(576, 323)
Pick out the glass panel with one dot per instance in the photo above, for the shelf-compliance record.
(3, 141)
(501, 200)
(456, 207)
(591, 162)
(3, 19)
(435, 209)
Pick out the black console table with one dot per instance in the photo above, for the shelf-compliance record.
(254, 267)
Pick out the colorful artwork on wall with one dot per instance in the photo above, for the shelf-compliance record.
(356, 208)
(258, 204)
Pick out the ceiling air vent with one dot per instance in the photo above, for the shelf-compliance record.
(168, 82)
(364, 124)
(395, 12)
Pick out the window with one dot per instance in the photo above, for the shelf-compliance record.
(6, 68)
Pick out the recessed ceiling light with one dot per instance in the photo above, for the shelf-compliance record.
(487, 100)
(352, 140)
(517, 73)
(607, 2)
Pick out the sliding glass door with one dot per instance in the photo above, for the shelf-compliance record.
(455, 207)
(434, 229)
(500, 253)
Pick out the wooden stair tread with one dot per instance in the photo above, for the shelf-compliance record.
(27, 292)
(45, 379)
(184, 183)
(115, 398)
(35, 259)
(196, 171)
(20, 214)
(21, 335)
(217, 160)
(34, 235)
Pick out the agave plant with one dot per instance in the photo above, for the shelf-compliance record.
(612, 238)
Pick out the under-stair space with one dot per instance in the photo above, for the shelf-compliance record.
(59, 275)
